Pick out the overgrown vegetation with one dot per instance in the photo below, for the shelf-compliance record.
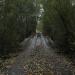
(17, 21)
(58, 20)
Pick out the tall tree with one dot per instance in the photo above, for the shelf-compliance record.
(58, 21)
(16, 18)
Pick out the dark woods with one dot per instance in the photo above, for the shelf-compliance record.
(17, 21)
(59, 23)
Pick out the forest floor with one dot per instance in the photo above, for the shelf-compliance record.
(38, 58)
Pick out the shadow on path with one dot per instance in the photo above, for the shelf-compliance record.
(39, 59)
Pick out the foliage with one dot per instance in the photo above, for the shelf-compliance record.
(17, 21)
(59, 23)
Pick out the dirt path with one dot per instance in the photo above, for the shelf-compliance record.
(39, 59)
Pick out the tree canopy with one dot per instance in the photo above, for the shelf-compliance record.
(17, 21)
(59, 22)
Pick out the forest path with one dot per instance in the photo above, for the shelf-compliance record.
(39, 59)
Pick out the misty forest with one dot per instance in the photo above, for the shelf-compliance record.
(37, 37)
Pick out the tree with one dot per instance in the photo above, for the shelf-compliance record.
(16, 18)
(58, 22)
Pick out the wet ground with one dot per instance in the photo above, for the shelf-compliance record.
(39, 59)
